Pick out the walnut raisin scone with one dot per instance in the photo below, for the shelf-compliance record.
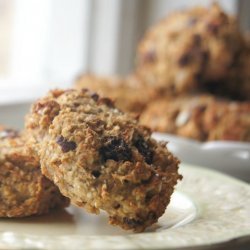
(227, 120)
(129, 94)
(101, 158)
(201, 117)
(189, 50)
(181, 116)
(24, 190)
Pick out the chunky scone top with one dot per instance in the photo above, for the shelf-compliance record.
(101, 158)
(190, 49)
(129, 93)
(24, 190)
(202, 117)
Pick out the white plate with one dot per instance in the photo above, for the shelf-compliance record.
(232, 158)
(207, 208)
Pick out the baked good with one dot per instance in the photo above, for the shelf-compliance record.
(181, 116)
(227, 120)
(128, 94)
(201, 117)
(24, 190)
(238, 83)
(101, 158)
(189, 51)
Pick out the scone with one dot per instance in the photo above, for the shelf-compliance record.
(201, 117)
(227, 120)
(181, 116)
(101, 158)
(24, 190)
(129, 94)
(238, 83)
(189, 51)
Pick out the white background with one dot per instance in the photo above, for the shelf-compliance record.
(53, 41)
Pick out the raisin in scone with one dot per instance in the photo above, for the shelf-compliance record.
(201, 117)
(24, 190)
(129, 94)
(190, 50)
(101, 158)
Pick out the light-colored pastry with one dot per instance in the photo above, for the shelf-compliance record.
(101, 158)
(201, 117)
(189, 51)
(128, 94)
(24, 190)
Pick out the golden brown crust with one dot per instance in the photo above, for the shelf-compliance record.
(201, 117)
(228, 121)
(238, 80)
(101, 158)
(129, 94)
(191, 50)
(24, 190)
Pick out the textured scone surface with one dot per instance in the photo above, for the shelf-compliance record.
(189, 50)
(129, 94)
(24, 190)
(239, 76)
(201, 117)
(101, 158)
(227, 120)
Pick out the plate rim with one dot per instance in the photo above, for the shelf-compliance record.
(206, 144)
(128, 239)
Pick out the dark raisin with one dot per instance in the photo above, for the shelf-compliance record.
(211, 86)
(116, 149)
(213, 28)
(150, 56)
(172, 88)
(146, 181)
(95, 97)
(149, 196)
(201, 108)
(198, 77)
(132, 222)
(76, 105)
(197, 39)
(108, 102)
(96, 173)
(144, 149)
(116, 206)
(96, 125)
(205, 57)
(235, 59)
(152, 216)
(66, 145)
(84, 90)
(185, 59)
